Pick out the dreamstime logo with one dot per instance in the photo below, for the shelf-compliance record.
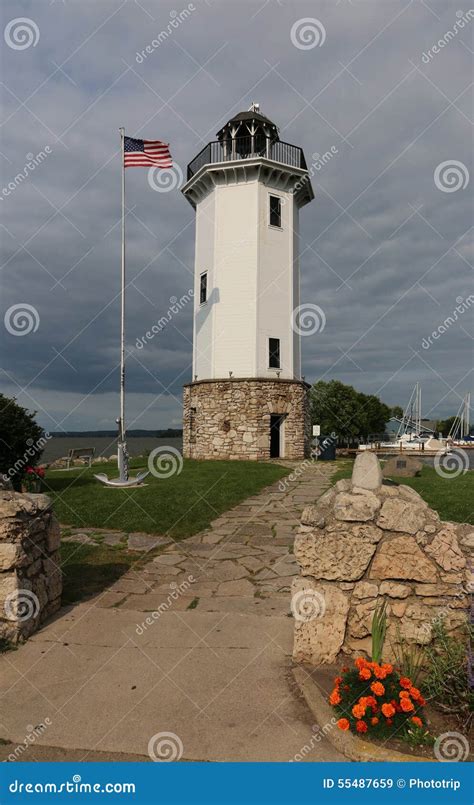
(307, 605)
(21, 319)
(21, 33)
(451, 465)
(462, 20)
(176, 19)
(21, 605)
(308, 319)
(308, 33)
(32, 162)
(32, 733)
(165, 747)
(451, 175)
(175, 306)
(461, 307)
(451, 747)
(163, 462)
(165, 179)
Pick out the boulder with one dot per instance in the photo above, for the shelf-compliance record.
(399, 515)
(401, 558)
(320, 639)
(367, 473)
(358, 507)
(402, 467)
(445, 549)
(337, 555)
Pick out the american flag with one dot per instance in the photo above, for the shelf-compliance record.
(146, 154)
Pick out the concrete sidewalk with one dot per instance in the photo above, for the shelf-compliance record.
(196, 643)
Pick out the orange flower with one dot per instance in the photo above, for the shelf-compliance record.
(389, 722)
(387, 668)
(407, 705)
(388, 710)
(377, 688)
(358, 711)
(405, 682)
(370, 701)
(361, 726)
(404, 694)
(338, 681)
(374, 721)
(346, 687)
(334, 697)
(417, 721)
(360, 663)
(421, 700)
(379, 671)
(414, 693)
(343, 724)
(364, 673)
(344, 670)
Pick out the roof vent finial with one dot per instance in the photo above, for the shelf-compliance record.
(254, 107)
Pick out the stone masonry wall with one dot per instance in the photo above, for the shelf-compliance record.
(367, 541)
(30, 578)
(230, 419)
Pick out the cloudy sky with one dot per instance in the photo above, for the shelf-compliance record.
(386, 244)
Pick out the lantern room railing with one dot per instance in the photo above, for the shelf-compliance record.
(247, 148)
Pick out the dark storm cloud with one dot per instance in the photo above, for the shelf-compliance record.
(384, 252)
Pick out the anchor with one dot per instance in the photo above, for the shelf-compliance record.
(124, 479)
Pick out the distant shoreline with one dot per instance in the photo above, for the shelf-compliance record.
(172, 433)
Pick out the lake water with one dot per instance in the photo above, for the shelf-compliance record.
(57, 447)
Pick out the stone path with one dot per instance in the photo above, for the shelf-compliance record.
(197, 642)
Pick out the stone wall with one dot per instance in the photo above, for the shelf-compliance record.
(30, 576)
(366, 541)
(230, 419)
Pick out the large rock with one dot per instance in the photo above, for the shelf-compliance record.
(358, 506)
(367, 473)
(401, 515)
(320, 639)
(445, 549)
(336, 555)
(402, 467)
(401, 558)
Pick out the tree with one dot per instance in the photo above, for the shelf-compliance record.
(348, 413)
(21, 440)
(444, 425)
(397, 412)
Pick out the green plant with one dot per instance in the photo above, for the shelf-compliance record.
(447, 674)
(415, 735)
(379, 630)
(22, 440)
(409, 658)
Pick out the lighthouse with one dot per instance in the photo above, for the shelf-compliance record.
(247, 398)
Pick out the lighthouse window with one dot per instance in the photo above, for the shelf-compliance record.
(203, 289)
(275, 211)
(274, 353)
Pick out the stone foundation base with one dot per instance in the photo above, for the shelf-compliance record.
(231, 419)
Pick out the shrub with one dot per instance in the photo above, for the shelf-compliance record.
(447, 674)
(375, 699)
(21, 440)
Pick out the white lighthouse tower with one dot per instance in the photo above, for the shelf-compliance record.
(247, 398)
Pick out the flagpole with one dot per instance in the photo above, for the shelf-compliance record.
(122, 449)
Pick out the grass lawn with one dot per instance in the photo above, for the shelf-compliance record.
(179, 506)
(88, 569)
(452, 498)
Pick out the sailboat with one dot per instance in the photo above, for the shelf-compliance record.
(412, 435)
(459, 435)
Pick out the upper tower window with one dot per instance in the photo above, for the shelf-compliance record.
(275, 211)
(274, 353)
(203, 288)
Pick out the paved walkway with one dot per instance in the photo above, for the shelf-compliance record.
(196, 643)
